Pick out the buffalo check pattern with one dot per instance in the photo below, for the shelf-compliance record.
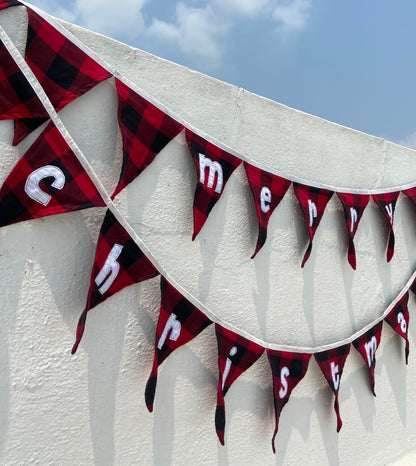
(367, 345)
(398, 319)
(387, 204)
(145, 131)
(6, 3)
(214, 167)
(235, 355)
(179, 322)
(64, 71)
(313, 202)
(47, 180)
(354, 206)
(332, 363)
(17, 97)
(288, 369)
(118, 263)
(268, 190)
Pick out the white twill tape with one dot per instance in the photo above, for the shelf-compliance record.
(111, 206)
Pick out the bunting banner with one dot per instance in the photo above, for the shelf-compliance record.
(387, 204)
(332, 363)
(214, 167)
(313, 202)
(268, 190)
(17, 97)
(47, 180)
(50, 179)
(64, 71)
(118, 263)
(145, 131)
(288, 369)
(354, 206)
(367, 345)
(235, 355)
(179, 322)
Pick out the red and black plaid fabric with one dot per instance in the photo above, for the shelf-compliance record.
(235, 355)
(118, 263)
(313, 202)
(354, 206)
(332, 363)
(64, 71)
(179, 322)
(268, 190)
(145, 131)
(367, 345)
(214, 167)
(398, 319)
(6, 3)
(387, 203)
(288, 369)
(413, 286)
(47, 180)
(17, 97)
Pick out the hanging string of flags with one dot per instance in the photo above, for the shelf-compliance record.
(50, 179)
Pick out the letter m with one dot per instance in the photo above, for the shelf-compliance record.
(214, 169)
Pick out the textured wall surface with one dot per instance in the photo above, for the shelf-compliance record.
(89, 408)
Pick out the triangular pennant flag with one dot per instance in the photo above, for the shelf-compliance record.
(313, 202)
(398, 319)
(413, 286)
(17, 97)
(354, 205)
(235, 355)
(64, 70)
(268, 190)
(332, 363)
(214, 167)
(288, 369)
(145, 131)
(179, 322)
(118, 263)
(367, 345)
(6, 3)
(47, 180)
(387, 203)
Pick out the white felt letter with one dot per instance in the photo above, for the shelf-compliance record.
(370, 349)
(401, 320)
(111, 267)
(174, 326)
(389, 209)
(354, 217)
(313, 213)
(265, 199)
(335, 374)
(32, 188)
(214, 168)
(228, 363)
(284, 374)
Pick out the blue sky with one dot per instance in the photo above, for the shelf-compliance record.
(350, 62)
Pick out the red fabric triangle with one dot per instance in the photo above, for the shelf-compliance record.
(235, 355)
(17, 97)
(354, 206)
(47, 180)
(398, 319)
(268, 190)
(179, 322)
(367, 345)
(214, 167)
(313, 202)
(118, 263)
(145, 131)
(6, 3)
(288, 369)
(332, 363)
(64, 71)
(387, 204)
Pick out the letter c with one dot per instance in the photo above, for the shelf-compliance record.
(32, 188)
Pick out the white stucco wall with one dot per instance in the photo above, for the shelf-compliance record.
(89, 408)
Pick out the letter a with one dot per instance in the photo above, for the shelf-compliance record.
(111, 267)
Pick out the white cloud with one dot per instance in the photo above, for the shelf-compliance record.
(291, 15)
(409, 141)
(243, 7)
(196, 30)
